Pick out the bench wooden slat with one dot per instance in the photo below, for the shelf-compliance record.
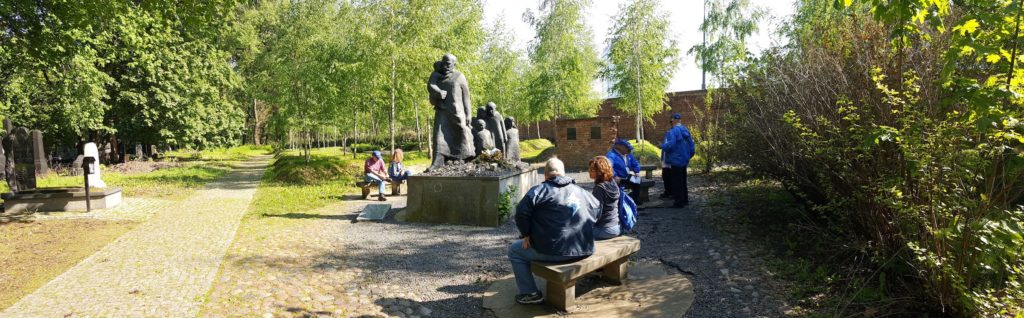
(605, 252)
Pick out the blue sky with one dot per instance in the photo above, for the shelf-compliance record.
(686, 16)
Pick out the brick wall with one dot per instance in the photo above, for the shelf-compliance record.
(678, 102)
(580, 140)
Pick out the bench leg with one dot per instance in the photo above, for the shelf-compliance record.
(649, 174)
(396, 188)
(616, 271)
(366, 192)
(561, 295)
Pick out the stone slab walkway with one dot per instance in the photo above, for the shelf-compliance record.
(163, 268)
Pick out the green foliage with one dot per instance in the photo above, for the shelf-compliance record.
(647, 153)
(501, 74)
(908, 145)
(507, 203)
(564, 61)
(149, 72)
(642, 56)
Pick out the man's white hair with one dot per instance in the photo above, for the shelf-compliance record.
(554, 167)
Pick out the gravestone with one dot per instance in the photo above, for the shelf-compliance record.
(90, 150)
(139, 154)
(39, 153)
(22, 176)
(374, 212)
(3, 163)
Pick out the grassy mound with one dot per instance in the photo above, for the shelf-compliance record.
(536, 150)
(647, 153)
(295, 169)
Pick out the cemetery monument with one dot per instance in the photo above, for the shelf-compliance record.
(470, 181)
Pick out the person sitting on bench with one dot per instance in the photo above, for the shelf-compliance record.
(556, 220)
(625, 166)
(374, 169)
(606, 225)
(396, 170)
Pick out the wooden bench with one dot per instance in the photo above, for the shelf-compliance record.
(610, 255)
(648, 171)
(367, 187)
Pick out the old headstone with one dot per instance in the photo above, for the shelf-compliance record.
(90, 150)
(39, 153)
(21, 170)
(139, 155)
(512, 140)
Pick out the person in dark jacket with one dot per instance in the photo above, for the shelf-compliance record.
(677, 149)
(556, 220)
(607, 194)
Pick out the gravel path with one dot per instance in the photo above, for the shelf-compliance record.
(162, 268)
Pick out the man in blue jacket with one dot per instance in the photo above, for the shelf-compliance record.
(556, 220)
(677, 149)
(624, 164)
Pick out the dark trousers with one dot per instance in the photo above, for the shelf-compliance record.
(676, 181)
(666, 174)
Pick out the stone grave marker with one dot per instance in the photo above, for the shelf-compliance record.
(39, 153)
(374, 212)
(24, 178)
(139, 154)
(90, 150)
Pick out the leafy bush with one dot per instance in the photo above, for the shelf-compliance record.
(910, 146)
(647, 153)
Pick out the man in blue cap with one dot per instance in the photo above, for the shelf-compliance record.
(375, 173)
(676, 150)
(624, 165)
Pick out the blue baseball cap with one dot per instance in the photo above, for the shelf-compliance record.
(376, 153)
(677, 116)
(624, 142)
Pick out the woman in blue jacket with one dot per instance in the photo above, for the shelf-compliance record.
(624, 164)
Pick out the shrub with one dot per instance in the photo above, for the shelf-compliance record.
(908, 147)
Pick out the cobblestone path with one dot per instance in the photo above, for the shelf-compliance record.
(163, 268)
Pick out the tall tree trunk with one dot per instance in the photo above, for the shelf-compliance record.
(255, 124)
(391, 116)
(355, 129)
(419, 139)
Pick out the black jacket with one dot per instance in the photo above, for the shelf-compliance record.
(558, 216)
(607, 193)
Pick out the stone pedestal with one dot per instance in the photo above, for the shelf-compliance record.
(60, 199)
(465, 200)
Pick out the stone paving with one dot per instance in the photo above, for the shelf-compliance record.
(163, 268)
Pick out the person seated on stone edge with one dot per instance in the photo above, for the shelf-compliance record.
(396, 170)
(374, 169)
(606, 191)
(624, 164)
(556, 220)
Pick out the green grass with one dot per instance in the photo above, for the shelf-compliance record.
(292, 184)
(535, 150)
(219, 154)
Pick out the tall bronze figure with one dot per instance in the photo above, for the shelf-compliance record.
(449, 93)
